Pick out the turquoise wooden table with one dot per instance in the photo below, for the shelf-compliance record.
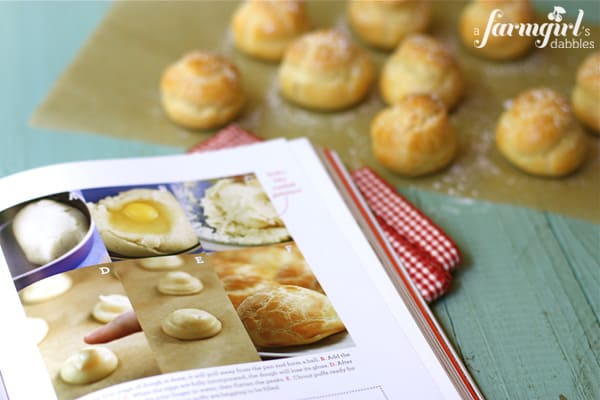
(524, 308)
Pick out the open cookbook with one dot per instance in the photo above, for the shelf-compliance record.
(255, 272)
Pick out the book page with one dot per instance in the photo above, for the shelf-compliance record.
(242, 282)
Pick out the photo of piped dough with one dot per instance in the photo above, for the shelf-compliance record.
(110, 307)
(46, 289)
(142, 223)
(89, 365)
(161, 263)
(191, 324)
(239, 211)
(60, 323)
(186, 330)
(179, 283)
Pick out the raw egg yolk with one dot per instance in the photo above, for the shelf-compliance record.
(140, 212)
(141, 217)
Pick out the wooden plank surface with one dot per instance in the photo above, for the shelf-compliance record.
(524, 307)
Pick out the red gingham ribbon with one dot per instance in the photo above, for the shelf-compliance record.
(431, 279)
(230, 136)
(427, 253)
(406, 219)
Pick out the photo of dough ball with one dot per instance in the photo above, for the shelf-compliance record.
(585, 98)
(384, 24)
(265, 28)
(48, 235)
(202, 91)
(422, 65)
(539, 134)
(47, 229)
(474, 20)
(414, 137)
(288, 315)
(142, 222)
(325, 70)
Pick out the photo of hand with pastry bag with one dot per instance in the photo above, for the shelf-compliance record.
(49, 235)
(231, 211)
(141, 221)
(62, 309)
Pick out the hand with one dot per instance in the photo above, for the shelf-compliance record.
(125, 324)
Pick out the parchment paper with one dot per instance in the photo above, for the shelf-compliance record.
(231, 346)
(69, 319)
(112, 88)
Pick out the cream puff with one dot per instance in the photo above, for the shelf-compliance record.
(265, 28)
(384, 24)
(586, 95)
(539, 134)
(324, 70)
(202, 90)
(422, 64)
(414, 136)
(478, 37)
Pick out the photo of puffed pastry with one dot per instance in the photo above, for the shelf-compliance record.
(279, 300)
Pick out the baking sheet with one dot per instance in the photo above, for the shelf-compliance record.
(69, 319)
(112, 88)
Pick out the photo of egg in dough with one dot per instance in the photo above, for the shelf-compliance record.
(142, 222)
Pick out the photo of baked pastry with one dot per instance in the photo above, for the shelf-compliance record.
(140, 221)
(279, 300)
(232, 211)
(49, 235)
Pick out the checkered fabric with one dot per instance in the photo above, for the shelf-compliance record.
(230, 136)
(406, 219)
(426, 252)
(429, 277)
